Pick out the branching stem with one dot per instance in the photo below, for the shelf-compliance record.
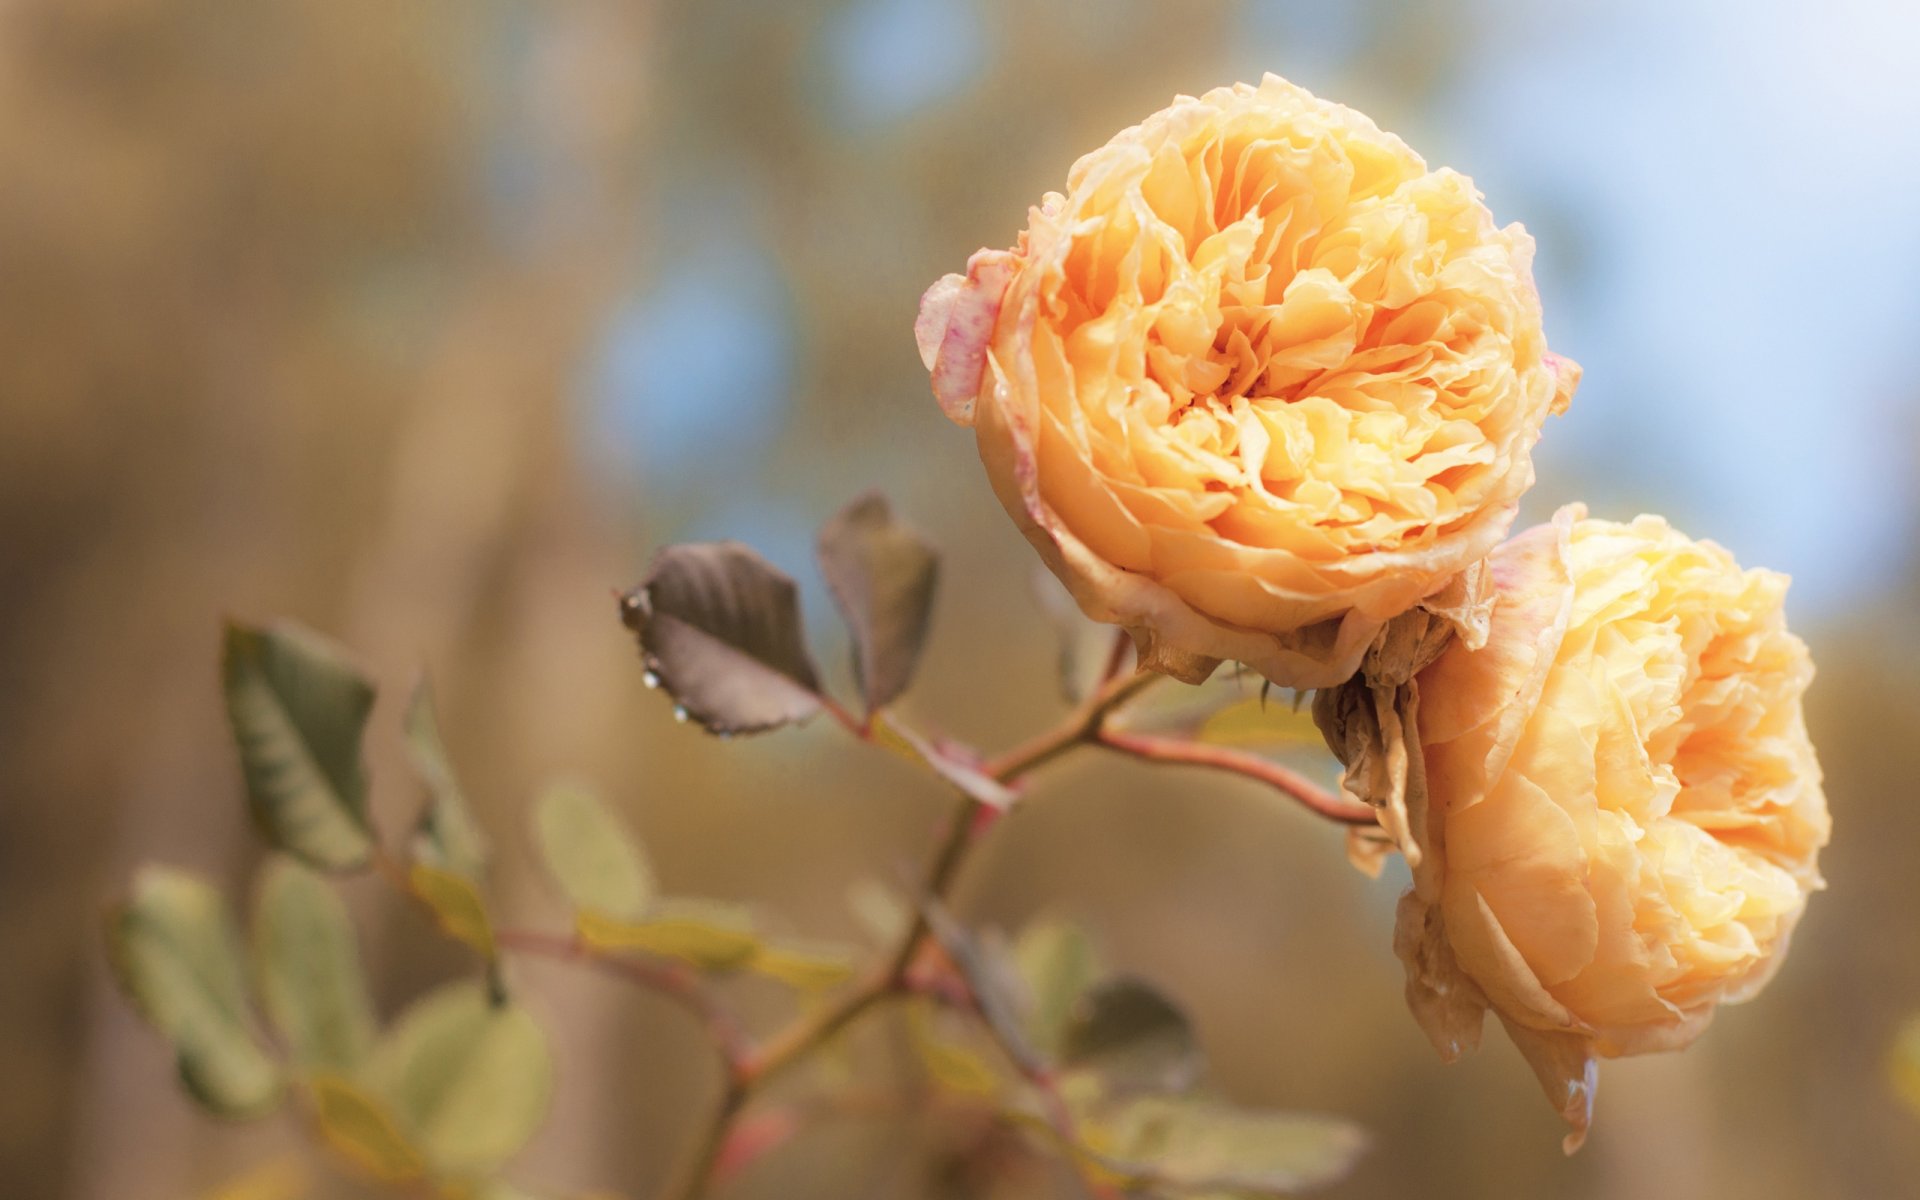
(1183, 752)
(750, 1068)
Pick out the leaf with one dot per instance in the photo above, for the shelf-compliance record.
(1256, 721)
(998, 991)
(882, 577)
(174, 951)
(880, 911)
(1903, 1064)
(1192, 1146)
(307, 962)
(359, 1128)
(1058, 963)
(813, 968)
(277, 1179)
(456, 904)
(297, 710)
(467, 1076)
(719, 629)
(968, 779)
(943, 1050)
(447, 838)
(706, 934)
(1131, 1036)
(591, 855)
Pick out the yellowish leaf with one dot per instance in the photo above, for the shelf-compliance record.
(1249, 722)
(953, 1065)
(1903, 1064)
(360, 1129)
(713, 937)
(456, 906)
(807, 969)
(278, 1179)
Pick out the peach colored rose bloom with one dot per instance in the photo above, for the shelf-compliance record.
(1257, 384)
(1616, 811)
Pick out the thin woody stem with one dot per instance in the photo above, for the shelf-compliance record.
(1081, 728)
(1182, 752)
(673, 981)
(807, 1034)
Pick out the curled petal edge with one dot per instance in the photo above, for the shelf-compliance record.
(955, 326)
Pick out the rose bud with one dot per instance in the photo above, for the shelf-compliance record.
(1612, 809)
(1258, 383)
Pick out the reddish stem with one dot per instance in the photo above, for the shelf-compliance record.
(1181, 752)
(675, 982)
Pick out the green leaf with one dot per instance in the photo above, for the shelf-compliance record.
(707, 934)
(1131, 1036)
(882, 577)
(447, 838)
(591, 855)
(298, 710)
(307, 963)
(360, 1129)
(719, 630)
(467, 1077)
(1189, 1146)
(456, 905)
(173, 949)
(1058, 963)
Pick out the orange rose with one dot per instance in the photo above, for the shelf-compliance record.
(1614, 808)
(1257, 384)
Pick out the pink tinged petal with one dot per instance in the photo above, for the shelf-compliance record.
(955, 325)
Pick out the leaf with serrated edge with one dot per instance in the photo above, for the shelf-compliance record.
(307, 963)
(706, 934)
(1132, 1036)
(175, 952)
(359, 1128)
(882, 577)
(467, 1077)
(1191, 1146)
(456, 905)
(592, 855)
(447, 838)
(298, 710)
(719, 630)
(1057, 960)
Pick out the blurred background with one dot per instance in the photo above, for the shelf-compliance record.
(424, 323)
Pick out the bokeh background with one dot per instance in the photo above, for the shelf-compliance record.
(424, 322)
